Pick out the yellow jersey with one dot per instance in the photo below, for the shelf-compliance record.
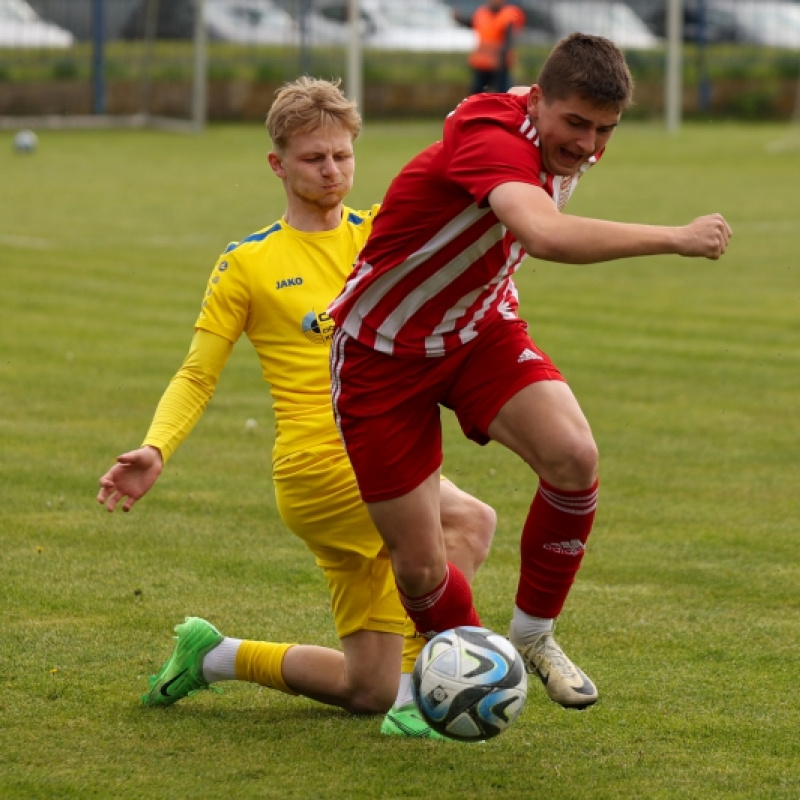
(275, 286)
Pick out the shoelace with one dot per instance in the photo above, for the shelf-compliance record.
(557, 657)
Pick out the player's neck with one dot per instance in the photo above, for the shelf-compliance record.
(311, 220)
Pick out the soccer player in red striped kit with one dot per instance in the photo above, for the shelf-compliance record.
(428, 319)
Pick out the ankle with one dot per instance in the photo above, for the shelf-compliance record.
(525, 627)
(219, 663)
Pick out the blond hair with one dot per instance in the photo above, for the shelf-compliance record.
(307, 104)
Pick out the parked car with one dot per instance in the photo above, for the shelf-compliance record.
(77, 16)
(21, 26)
(773, 24)
(249, 22)
(384, 24)
(614, 20)
(702, 22)
(391, 25)
(243, 21)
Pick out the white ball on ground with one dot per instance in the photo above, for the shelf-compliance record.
(469, 683)
(25, 141)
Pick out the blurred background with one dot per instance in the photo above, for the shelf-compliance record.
(135, 59)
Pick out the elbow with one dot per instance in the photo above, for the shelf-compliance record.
(203, 380)
(206, 382)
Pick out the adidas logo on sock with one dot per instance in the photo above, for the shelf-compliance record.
(528, 355)
(575, 547)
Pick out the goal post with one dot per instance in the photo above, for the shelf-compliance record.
(673, 83)
(198, 113)
(355, 60)
(200, 70)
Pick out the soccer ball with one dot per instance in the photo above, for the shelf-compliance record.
(469, 683)
(25, 141)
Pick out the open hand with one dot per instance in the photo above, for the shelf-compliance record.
(131, 477)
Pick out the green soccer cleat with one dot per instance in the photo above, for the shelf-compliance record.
(182, 675)
(407, 721)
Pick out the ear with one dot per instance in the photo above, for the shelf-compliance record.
(275, 163)
(534, 100)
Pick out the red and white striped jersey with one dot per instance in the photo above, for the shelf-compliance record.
(438, 264)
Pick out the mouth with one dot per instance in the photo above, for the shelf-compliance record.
(568, 157)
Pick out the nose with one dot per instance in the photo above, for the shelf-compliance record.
(588, 141)
(329, 166)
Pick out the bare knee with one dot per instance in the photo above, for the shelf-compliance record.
(468, 532)
(573, 466)
(371, 674)
(373, 697)
(418, 573)
(484, 522)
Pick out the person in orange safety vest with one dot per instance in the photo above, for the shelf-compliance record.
(495, 24)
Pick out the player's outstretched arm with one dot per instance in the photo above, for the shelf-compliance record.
(130, 478)
(530, 214)
(180, 407)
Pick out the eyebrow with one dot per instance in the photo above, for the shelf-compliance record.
(321, 152)
(580, 118)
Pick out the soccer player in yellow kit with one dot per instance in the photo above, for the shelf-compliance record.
(274, 286)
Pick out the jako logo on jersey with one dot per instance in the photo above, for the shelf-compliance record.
(318, 328)
(287, 282)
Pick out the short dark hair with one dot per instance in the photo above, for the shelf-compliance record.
(591, 67)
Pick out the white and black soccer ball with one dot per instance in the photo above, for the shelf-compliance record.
(469, 683)
(25, 141)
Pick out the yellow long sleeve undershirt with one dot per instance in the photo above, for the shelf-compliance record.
(188, 393)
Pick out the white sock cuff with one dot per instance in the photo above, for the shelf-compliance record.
(219, 664)
(525, 628)
(404, 695)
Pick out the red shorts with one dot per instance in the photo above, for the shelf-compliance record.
(387, 408)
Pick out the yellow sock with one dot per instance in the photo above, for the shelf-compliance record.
(412, 646)
(261, 663)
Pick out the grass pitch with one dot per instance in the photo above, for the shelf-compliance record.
(685, 612)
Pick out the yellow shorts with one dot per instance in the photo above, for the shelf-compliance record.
(318, 499)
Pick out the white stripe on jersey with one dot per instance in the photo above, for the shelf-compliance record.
(434, 344)
(386, 282)
(499, 281)
(529, 134)
(440, 279)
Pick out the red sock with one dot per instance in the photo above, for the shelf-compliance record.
(552, 547)
(447, 606)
